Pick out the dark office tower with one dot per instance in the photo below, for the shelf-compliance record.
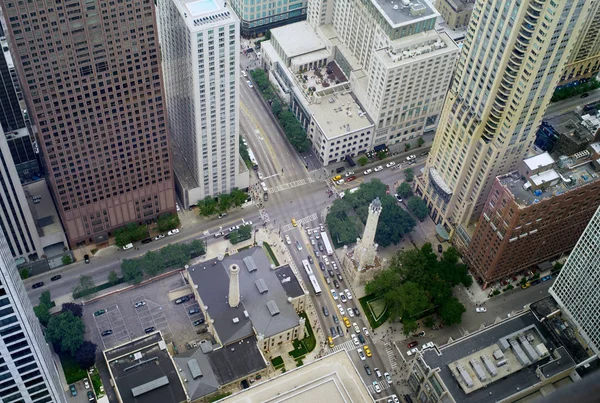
(93, 84)
(11, 117)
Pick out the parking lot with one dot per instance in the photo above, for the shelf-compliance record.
(155, 312)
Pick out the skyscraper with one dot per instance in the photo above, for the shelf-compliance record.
(93, 84)
(510, 63)
(11, 117)
(200, 45)
(576, 288)
(27, 371)
(256, 19)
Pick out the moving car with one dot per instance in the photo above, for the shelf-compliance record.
(139, 303)
(330, 341)
(368, 370)
(397, 196)
(481, 309)
(376, 387)
(411, 157)
(298, 245)
(347, 291)
(379, 168)
(356, 328)
(100, 312)
(388, 378)
(173, 232)
(367, 350)
(325, 311)
(343, 297)
(288, 240)
(159, 236)
(377, 372)
(335, 319)
(333, 332)
(368, 171)
(54, 278)
(412, 351)
(346, 322)
(355, 339)
(336, 284)
(350, 312)
(249, 84)
(294, 223)
(86, 258)
(341, 309)
(334, 294)
(390, 164)
(365, 331)
(38, 285)
(356, 311)
(310, 259)
(340, 331)
(322, 266)
(361, 338)
(107, 332)
(244, 74)
(361, 355)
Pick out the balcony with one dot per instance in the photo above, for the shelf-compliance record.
(536, 5)
(491, 126)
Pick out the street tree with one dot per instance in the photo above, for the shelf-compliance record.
(66, 259)
(84, 287)
(167, 222)
(420, 141)
(451, 311)
(86, 355)
(207, 206)
(113, 278)
(239, 197)
(131, 271)
(409, 325)
(418, 207)
(409, 175)
(66, 332)
(75, 309)
(225, 203)
(362, 161)
(404, 190)
(42, 311)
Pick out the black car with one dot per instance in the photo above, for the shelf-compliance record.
(361, 338)
(54, 278)
(440, 249)
(194, 311)
(368, 370)
(340, 330)
(182, 299)
(320, 247)
(37, 285)
(310, 259)
(325, 311)
(149, 329)
(90, 396)
(330, 273)
(198, 322)
(227, 236)
(585, 95)
(332, 330)
(335, 319)
(336, 284)
(322, 266)
(107, 332)
(147, 240)
(356, 311)
(86, 258)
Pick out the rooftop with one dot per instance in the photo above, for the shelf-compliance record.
(538, 161)
(460, 5)
(558, 181)
(233, 324)
(571, 124)
(289, 281)
(332, 379)
(202, 381)
(416, 48)
(404, 12)
(511, 376)
(202, 14)
(237, 360)
(287, 37)
(339, 113)
(144, 372)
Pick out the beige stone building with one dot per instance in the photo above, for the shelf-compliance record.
(456, 13)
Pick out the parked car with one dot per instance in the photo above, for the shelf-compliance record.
(159, 236)
(73, 390)
(183, 299)
(90, 396)
(100, 312)
(365, 331)
(173, 232)
(379, 168)
(194, 311)
(390, 164)
(221, 215)
(413, 344)
(368, 171)
(427, 346)
(149, 329)
(86, 258)
(332, 331)
(249, 84)
(107, 332)
(139, 304)
(377, 372)
(38, 285)
(198, 322)
(128, 246)
(388, 378)
(376, 387)
(144, 241)
(340, 330)
(397, 196)
(412, 351)
(440, 249)
(481, 309)
(350, 178)
(546, 278)
(54, 278)
(288, 240)
(86, 383)
(349, 173)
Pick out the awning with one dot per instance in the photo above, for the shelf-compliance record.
(380, 147)
(441, 231)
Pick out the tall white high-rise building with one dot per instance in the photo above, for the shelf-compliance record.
(27, 371)
(510, 63)
(200, 48)
(577, 288)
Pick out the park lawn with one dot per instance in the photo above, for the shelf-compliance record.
(72, 371)
(369, 304)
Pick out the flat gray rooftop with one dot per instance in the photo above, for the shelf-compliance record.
(501, 388)
(237, 361)
(143, 361)
(398, 14)
(292, 287)
(212, 282)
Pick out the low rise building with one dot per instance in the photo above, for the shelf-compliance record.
(569, 133)
(532, 215)
(519, 358)
(456, 13)
(242, 296)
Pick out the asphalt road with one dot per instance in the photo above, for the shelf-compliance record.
(562, 107)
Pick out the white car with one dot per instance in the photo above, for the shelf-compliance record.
(334, 294)
(298, 245)
(326, 260)
(356, 328)
(173, 232)
(390, 164)
(347, 291)
(361, 354)
(177, 207)
(249, 84)
(427, 346)
(388, 378)
(244, 74)
(376, 387)
(312, 241)
(349, 173)
(395, 399)
(368, 171)
(481, 309)
(343, 297)
(365, 331)
(340, 182)
(341, 309)
(412, 351)
(139, 304)
(379, 168)
(86, 384)
(355, 339)
(411, 157)
(288, 240)
(159, 236)
(350, 312)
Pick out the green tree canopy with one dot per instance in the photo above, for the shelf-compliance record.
(66, 331)
(207, 206)
(409, 175)
(131, 271)
(362, 161)
(239, 197)
(167, 222)
(84, 286)
(418, 207)
(451, 311)
(404, 190)
(112, 277)
(130, 233)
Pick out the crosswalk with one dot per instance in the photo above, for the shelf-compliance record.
(348, 346)
(390, 353)
(301, 221)
(290, 185)
(264, 216)
(382, 384)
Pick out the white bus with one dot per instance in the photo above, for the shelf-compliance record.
(328, 247)
(315, 284)
(307, 267)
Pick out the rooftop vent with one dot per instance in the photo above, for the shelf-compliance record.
(261, 285)
(250, 265)
(236, 320)
(273, 308)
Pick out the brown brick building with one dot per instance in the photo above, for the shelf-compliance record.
(533, 215)
(93, 83)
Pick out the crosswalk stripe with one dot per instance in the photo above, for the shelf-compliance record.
(382, 384)
(300, 221)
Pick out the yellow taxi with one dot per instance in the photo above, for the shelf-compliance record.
(337, 178)
(367, 350)
(346, 322)
(526, 285)
(294, 223)
(330, 340)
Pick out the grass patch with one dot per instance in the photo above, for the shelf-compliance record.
(377, 307)
(299, 350)
(375, 323)
(309, 341)
(270, 254)
(299, 363)
(97, 382)
(277, 362)
(219, 396)
(97, 288)
(72, 371)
